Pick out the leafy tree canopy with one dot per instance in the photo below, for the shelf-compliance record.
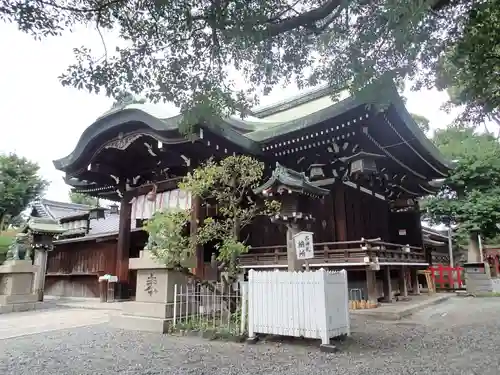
(83, 199)
(422, 122)
(20, 184)
(226, 185)
(183, 51)
(470, 194)
(470, 69)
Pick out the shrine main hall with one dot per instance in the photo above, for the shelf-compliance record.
(368, 167)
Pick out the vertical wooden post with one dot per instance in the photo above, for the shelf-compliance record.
(387, 284)
(371, 285)
(39, 281)
(293, 262)
(496, 264)
(414, 281)
(403, 286)
(123, 248)
(340, 213)
(196, 213)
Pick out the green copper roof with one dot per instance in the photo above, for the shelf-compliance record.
(289, 179)
(43, 225)
(260, 132)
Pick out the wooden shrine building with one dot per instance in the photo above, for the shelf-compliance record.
(374, 163)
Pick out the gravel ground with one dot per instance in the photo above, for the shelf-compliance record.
(456, 337)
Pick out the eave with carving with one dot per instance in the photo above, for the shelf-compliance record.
(129, 146)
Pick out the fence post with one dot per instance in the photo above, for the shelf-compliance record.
(175, 305)
(244, 296)
(251, 312)
(347, 313)
(323, 316)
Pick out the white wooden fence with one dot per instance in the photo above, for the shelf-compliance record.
(311, 304)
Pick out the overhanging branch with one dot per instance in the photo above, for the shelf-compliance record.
(305, 19)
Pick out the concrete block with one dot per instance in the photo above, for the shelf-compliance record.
(140, 323)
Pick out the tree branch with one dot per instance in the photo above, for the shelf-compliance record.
(304, 19)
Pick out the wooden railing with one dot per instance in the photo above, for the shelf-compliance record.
(354, 252)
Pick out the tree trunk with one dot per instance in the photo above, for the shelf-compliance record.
(2, 219)
(473, 255)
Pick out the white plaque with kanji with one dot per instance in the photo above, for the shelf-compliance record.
(304, 245)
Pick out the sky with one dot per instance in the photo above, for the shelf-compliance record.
(42, 120)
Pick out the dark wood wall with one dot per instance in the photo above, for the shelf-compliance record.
(73, 268)
(406, 228)
(346, 214)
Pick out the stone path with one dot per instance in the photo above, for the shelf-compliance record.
(31, 322)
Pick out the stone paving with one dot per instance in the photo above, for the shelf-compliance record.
(35, 322)
(457, 337)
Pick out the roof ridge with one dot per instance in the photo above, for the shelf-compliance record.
(64, 204)
(292, 101)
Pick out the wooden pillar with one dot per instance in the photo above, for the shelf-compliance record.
(371, 285)
(123, 248)
(196, 217)
(39, 280)
(386, 282)
(403, 286)
(340, 213)
(496, 264)
(293, 262)
(414, 281)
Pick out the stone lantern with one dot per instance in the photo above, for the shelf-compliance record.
(294, 191)
(41, 233)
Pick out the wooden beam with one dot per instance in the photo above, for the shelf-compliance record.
(165, 185)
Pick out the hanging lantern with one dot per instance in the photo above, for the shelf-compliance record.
(151, 196)
(363, 164)
(316, 172)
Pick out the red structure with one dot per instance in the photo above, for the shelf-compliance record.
(446, 277)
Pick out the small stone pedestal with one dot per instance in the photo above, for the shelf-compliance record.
(153, 308)
(16, 286)
(478, 279)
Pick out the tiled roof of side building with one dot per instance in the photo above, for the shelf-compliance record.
(109, 224)
(57, 210)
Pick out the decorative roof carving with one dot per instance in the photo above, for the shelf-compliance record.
(122, 142)
(287, 180)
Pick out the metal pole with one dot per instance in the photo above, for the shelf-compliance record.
(450, 246)
(480, 243)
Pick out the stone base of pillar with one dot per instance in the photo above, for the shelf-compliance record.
(16, 286)
(144, 316)
(153, 308)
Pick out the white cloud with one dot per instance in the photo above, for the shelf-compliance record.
(42, 120)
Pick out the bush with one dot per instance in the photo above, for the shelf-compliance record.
(5, 240)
